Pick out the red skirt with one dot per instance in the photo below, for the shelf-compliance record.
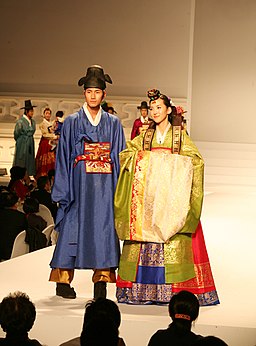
(45, 158)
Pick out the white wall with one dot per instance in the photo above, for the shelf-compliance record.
(224, 71)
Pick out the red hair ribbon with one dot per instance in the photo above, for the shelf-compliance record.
(182, 316)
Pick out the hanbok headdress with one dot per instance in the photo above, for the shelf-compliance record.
(95, 78)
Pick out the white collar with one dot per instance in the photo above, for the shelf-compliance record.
(27, 118)
(161, 137)
(143, 120)
(96, 121)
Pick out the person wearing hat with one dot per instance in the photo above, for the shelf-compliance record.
(23, 134)
(87, 168)
(142, 123)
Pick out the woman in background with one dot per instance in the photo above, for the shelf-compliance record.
(45, 157)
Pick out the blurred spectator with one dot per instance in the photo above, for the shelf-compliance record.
(12, 222)
(43, 195)
(17, 316)
(183, 310)
(19, 182)
(36, 224)
(51, 175)
(57, 126)
(102, 319)
(210, 341)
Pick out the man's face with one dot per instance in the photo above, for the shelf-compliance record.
(144, 112)
(94, 97)
(30, 113)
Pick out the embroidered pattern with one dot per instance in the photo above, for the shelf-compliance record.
(97, 158)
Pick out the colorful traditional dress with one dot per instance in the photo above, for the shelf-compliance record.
(87, 168)
(25, 147)
(158, 204)
(140, 125)
(45, 157)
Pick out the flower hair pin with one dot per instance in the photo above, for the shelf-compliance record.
(180, 110)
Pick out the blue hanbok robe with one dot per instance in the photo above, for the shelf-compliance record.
(25, 146)
(85, 219)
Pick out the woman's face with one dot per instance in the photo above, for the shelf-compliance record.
(47, 115)
(158, 111)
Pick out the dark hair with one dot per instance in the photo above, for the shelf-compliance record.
(155, 94)
(102, 306)
(210, 341)
(31, 205)
(51, 173)
(17, 173)
(47, 109)
(102, 319)
(42, 181)
(183, 309)
(17, 313)
(99, 331)
(59, 114)
(8, 199)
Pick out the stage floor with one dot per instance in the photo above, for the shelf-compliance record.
(228, 221)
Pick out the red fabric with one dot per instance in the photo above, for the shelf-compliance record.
(45, 158)
(19, 188)
(203, 282)
(135, 129)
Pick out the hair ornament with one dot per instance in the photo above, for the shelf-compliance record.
(183, 317)
(180, 110)
(153, 94)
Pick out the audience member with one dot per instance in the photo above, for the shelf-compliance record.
(12, 222)
(51, 175)
(210, 341)
(101, 315)
(183, 310)
(24, 136)
(19, 182)
(45, 157)
(43, 195)
(17, 316)
(36, 224)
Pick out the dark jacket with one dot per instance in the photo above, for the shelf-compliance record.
(12, 222)
(170, 337)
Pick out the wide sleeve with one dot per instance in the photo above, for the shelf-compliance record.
(122, 199)
(62, 191)
(118, 144)
(188, 148)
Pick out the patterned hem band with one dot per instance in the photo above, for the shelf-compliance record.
(184, 317)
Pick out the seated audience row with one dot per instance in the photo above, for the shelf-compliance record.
(13, 222)
(102, 320)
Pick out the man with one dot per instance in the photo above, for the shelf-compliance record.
(43, 194)
(87, 168)
(141, 124)
(12, 222)
(23, 134)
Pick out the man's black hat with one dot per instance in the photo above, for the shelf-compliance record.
(95, 78)
(28, 105)
(143, 105)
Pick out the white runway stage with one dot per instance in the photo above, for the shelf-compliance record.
(229, 226)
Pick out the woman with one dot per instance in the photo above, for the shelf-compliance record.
(45, 157)
(19, 182)
(158, 203)
(183, 310)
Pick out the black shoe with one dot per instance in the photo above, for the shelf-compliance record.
(100, 290)
(65, 291)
